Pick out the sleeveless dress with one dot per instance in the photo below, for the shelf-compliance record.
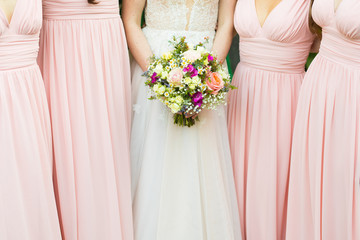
(183, 185)
(324, 191)
(85, 65)
(27, 201)
(261, 112)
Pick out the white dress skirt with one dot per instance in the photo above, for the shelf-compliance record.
(183, 186)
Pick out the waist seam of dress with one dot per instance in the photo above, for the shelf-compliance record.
(337, 62)
(91, 18)
(21, 68)
(249, 65)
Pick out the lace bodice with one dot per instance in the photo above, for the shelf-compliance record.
(192, 15)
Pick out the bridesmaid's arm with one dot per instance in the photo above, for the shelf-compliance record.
(138, 45)
(224, 33)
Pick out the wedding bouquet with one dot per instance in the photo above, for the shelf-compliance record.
(187, 79)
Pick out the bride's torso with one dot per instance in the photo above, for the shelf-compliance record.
(193, 19)
(182, 15)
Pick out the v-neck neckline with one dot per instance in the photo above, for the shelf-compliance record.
(267, 17)
(2, 12)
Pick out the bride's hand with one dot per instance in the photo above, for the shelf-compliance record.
(191, 115)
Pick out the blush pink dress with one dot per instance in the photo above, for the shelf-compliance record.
(85, 65)
(261, 111)
(27, 201)
(324, 190)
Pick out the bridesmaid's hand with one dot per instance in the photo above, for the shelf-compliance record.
(139, 47)
(225, 29)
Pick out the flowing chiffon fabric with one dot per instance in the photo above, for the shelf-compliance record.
(27, 201)
(183, 186)
(84, 61)
(324, 191)
(261, 112)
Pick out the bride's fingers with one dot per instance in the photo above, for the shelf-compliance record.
(193, 115)
(188, 115)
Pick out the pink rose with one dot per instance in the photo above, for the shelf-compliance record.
(192, 55)
(175, 76)
(215, 82)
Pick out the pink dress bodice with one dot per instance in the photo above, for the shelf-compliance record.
(80, 9)
(324, 194)
(341, 30)
(27, 205)
(19, 39)
(282, 43)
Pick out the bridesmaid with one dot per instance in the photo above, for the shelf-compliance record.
(27, 202)
(275, 40)
(84, 61)
(324, 191)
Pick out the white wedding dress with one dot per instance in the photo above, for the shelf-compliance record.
(183, 187)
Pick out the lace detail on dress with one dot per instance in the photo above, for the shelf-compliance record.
(173, 15)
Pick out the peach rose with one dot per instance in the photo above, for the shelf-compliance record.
(175, 76)
(192, 55)
(215, 82)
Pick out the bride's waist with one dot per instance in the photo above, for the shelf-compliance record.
(159, 38)
(150, 28)
(160, 33)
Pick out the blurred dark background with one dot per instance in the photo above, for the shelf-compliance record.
(233, 56)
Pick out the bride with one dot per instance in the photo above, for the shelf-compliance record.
(182, 178)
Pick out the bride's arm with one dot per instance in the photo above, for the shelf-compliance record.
(139, 47)
(224, 33)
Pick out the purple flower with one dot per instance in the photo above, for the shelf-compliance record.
(197, 99)
(154, 78)
(210, 58)
(190, 68)
(194, 73)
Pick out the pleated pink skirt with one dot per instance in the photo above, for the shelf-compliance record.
(27, 202)
(261, 114)
(85, 65)
(324, 190)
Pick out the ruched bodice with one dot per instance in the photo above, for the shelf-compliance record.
(85, 65)
(337, 47)
(18, 51)
(19, 38)
(261, 111)
(27, 199)
(176, 15)
(341, 30)
(273, 56)
(324, 194)
(282, 43)
(80, 9)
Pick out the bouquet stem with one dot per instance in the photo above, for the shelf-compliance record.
(182, 121)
